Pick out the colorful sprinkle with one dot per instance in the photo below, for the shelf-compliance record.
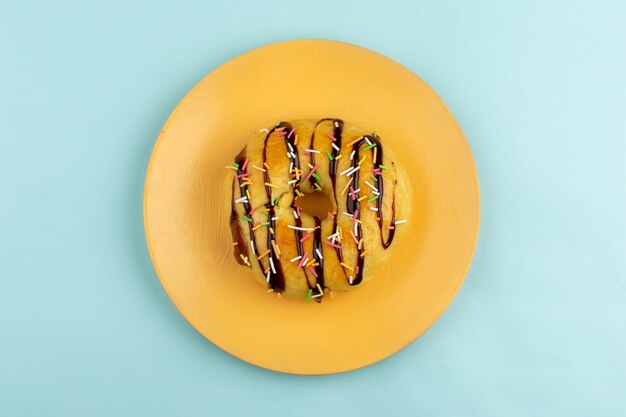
(308, 295)
(248, 219)
(372, 199)
(373, 145)
(346, 266)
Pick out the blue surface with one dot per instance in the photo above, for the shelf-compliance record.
(539, 328)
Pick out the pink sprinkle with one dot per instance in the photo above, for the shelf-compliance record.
(302, 261)
(299, 211)
(333, 245)
(243, 175)
(377, 171)
(255, 224)
(356, 213)
(245, 164)
(390, 227)
(332, 137)
(352, 192)
(313, 271)
(281, 133)
(308, 235)
(311, 172)
(356, 270)
(307, 153)
(291, 132)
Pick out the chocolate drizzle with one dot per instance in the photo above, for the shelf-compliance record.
(275, 275)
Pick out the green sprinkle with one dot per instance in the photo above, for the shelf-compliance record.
(278, 123)
(265, 224)
(337, 230)
(330, 157)
(317, 186)
(375, 178)
(308, 295)
(374, 133)
(370, 147)
(235, 164)
(276, 200)
(248, 219)
(317, 177)
(382, 167)
(372, 199)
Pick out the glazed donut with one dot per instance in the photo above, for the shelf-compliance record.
(293, 252)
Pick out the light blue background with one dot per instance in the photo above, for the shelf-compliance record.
(538, 329)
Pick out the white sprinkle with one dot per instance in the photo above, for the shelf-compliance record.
(290, 148)
(348, 214)
(245, 259)
(349, 174)
(242, 200)
(291, 167)
(351, 279)
(375, 193)
(335, 146)
(305, 261)
(295, 214)
(268, 277)
(252, 246)
(292, 182)
(336, 123)
(317, 295)
(319, 254)
(293, 155)
(288, 155)
(312, 151)
(272, 265)
(333, 235)
(296, 258)
(367, 140)
(345, 170)
(357, 191)
(373, 209)
(264, 130)
(400, 221)
(304, 229)
(371, 186)
(275, 218)
(356, 226)
(352, 155)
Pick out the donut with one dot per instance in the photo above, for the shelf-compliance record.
(294, 252)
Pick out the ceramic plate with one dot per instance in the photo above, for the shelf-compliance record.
(187, 220)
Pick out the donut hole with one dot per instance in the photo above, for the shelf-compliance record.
(315, 204)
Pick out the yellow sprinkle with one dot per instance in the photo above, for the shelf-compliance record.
(257, 227)
(364, 252)
(298, 192)
(234, 244)
(243, 184)
(279, 295)
(271, 230)
(276, 249)
(270, 290)
(354, 237)
(230, 167)
(258, 168)
(362, 198)
(374, 155)
(338, 157)
(267, 270)
(271, 185)
(263, 255)
(265, 165)
(248, 194)
(362, 159)
(360, 245)
(319, 288)
(345, 188)
(347, 266)
(355, 141)
(295, 142)
(310, 166)
(311, 262)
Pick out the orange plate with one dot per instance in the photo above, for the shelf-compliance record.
(186, 219)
